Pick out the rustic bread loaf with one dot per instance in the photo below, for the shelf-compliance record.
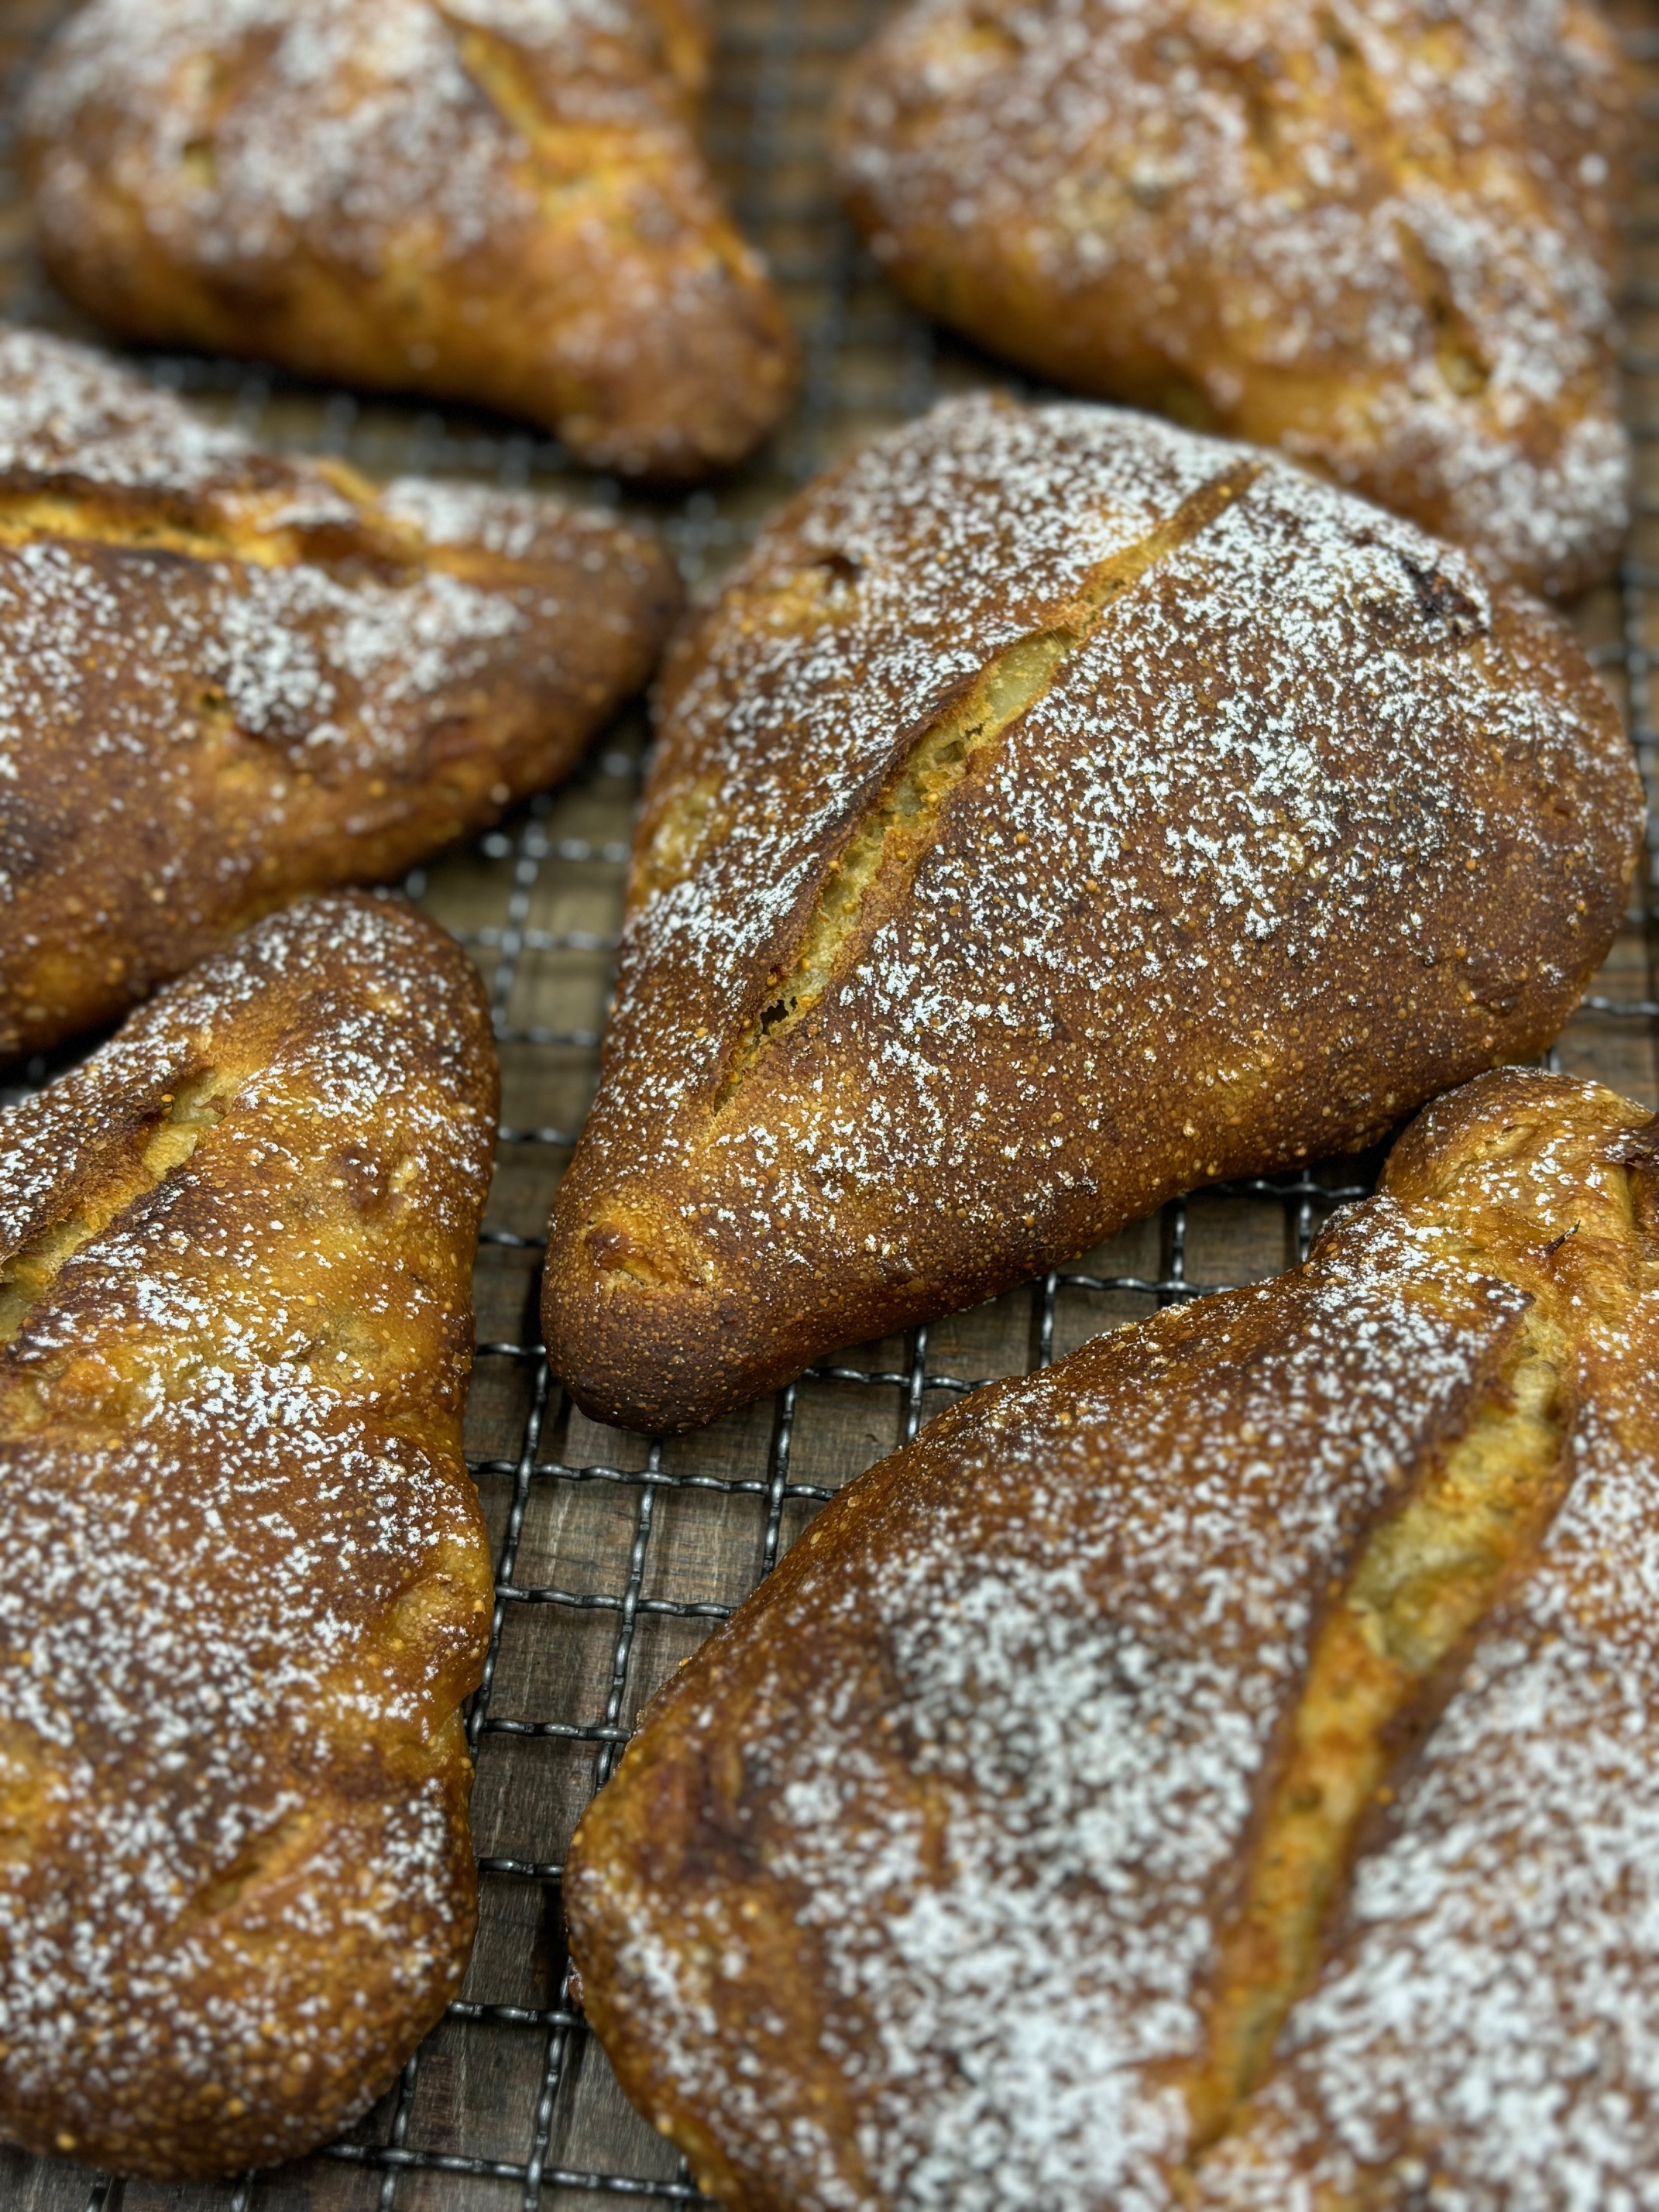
(247, 1583)
(226, 678)
(1380, 234)
(1057, 811)
(501, 201)
(978, 1861)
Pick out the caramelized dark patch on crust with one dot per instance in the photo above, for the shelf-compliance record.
(1019, 851)
(248, 1582)
(502, 204)
(981, 1858)
(1383, 239)
(226, 678)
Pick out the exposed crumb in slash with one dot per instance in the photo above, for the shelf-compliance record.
(228, 677)
(321, 664)
(894, 834)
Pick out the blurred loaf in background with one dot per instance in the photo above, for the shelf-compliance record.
(1381, 234)
(501, 201)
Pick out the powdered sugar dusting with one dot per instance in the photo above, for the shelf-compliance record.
(515, 525)
(67, 413)
(497, 201)
(225, 677)
(907, 1894)
(1486, 2033)
(355, 672)
(232, 1473)
(1081, 1608)
(1241, 875)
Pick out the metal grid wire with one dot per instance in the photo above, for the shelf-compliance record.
(616, 1554)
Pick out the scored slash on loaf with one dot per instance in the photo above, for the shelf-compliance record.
(248, 1582)
(500, 201)
(994, 1853)
(1384, 234)
(227, 677)
(1057, 811)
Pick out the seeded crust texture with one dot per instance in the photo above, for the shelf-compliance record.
(983, 1858)
(501, 201)
(1381, 234)
(247, 1583)
(226, 678)
(1057, 811)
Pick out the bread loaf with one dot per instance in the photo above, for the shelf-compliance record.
(993, 1856)
(1381, 234)
(226, 678)
(1056, 811)
(500, 201)
(247, 1583)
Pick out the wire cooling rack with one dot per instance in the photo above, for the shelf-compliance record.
(615, 1554)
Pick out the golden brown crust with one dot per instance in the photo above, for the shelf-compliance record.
(927, 1883)
(1056, 811)
(498, 202)
(248, 1582)
(226, 678)
(1380, 234)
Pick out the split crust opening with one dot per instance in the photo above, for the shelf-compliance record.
(27, 1275)
(882, 851)
(567, 163)
(1383, 1660)
(257, 526)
